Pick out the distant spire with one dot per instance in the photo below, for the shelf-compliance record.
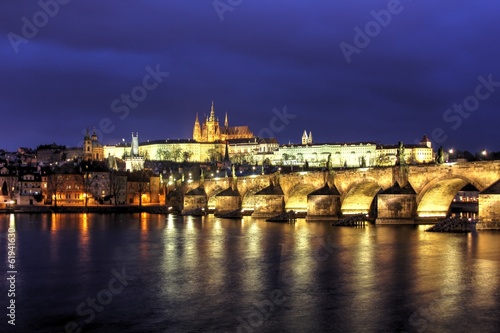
(304, 138)
(196, 121)
(212, 112)
(226, 123)
(310, 139)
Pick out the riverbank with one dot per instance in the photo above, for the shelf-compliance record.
(103, 209)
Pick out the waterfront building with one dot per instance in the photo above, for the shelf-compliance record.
(30, 188)
(143, 187)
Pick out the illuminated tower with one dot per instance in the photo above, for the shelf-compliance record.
(134, 161)
(135, 145)
(87, 147)
(197, 129)
(212, 123)
(304, 138)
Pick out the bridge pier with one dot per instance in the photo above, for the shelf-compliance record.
(323, 204)
(489, 207)
(269, 202)
(227, 201)
(195, 199)
(396, 205)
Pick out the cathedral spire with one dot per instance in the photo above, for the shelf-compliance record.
(226, 123)
(212, 112)
(196, 129)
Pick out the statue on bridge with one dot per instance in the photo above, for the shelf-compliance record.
(401, 154)
(440, 156)
(329, 162)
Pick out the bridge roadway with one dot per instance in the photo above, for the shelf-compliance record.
(429, 189)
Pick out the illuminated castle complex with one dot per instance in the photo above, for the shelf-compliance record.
(211, 131)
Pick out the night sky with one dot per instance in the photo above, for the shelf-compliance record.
(380, 71)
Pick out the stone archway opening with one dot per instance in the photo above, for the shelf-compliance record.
(212, 198)
(436, 198)
(359, 199)
(297, 197)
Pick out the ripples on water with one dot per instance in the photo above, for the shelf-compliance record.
(217, 275)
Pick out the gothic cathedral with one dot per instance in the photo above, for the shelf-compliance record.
(211, 131)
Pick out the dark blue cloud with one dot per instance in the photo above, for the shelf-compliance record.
(264, 55)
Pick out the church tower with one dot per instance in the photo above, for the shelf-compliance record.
(87, 147)
(92, 149)
(310, 138)
(426, 142)
(304, 138)
(134, 151)
(197, 129)
(212, 123)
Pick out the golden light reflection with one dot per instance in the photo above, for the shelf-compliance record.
(144, 224)
(253, 238)
(144, 233)
(251, 245)
(54, 222)
(85, 223)
(486, 279)
(54, 237)
(83, 240)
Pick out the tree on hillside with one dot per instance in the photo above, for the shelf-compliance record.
(186, 155)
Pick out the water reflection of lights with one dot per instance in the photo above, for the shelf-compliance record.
(144, 224)
(170, 221)
(54, 237)
(84, 240)
(12, 221)
(189, 224)
(85, 223)
(53, 222)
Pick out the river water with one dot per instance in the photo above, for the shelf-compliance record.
(157, 273)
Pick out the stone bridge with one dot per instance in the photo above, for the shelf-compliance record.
(389, 193)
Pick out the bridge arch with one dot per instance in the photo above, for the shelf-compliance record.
(296, 198)
(211, 196)
(436, 196)
(358, 199)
